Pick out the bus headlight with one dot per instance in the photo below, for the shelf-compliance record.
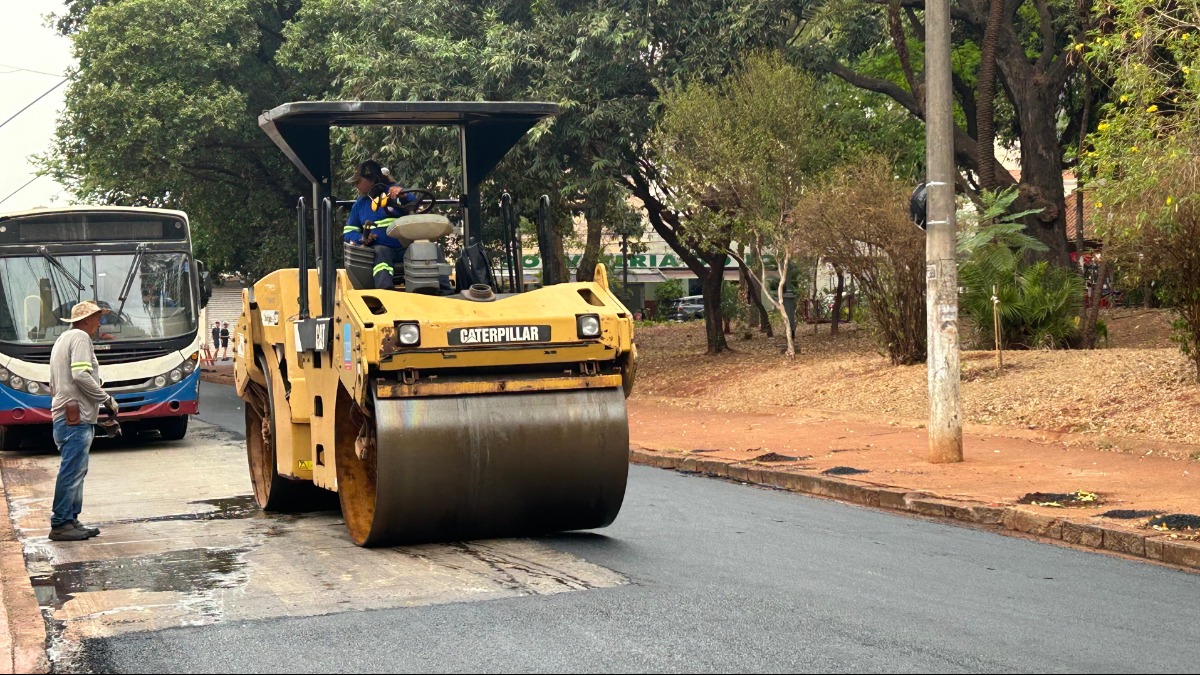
(16, 382)
(160, 381)
(176, 375)
(190, 364)
(32, 387)
(3, 375)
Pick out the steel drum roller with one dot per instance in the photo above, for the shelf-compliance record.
(482, 466)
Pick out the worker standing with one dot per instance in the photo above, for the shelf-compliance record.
(78, 396)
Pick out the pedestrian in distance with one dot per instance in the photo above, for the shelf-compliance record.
(225, 341)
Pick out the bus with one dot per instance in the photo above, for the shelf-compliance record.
(135, 262)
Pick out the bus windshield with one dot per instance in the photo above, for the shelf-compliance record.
(37, 291)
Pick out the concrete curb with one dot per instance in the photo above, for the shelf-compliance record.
(23, 638)
(1127, 541)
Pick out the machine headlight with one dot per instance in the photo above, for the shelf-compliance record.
(3, 375)
(589, 326)
(32, 387)
(176, 375)
(16, 382)
(190, 364)
(160, 381)
(409, 334)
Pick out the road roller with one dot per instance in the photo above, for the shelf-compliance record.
(463, 402)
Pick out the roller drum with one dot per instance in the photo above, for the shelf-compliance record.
(482, 466)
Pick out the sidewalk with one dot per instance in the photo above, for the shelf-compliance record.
(22, 630)
(881, 462)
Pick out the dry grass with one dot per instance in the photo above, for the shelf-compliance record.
(1141, 386)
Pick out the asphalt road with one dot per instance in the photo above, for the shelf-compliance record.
(727, 577)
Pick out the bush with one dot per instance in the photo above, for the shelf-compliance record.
(665, 293)
(1039, 303)
(858, 219)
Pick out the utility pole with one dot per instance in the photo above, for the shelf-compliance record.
(941, 268)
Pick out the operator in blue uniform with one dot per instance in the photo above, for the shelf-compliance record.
(380, 201)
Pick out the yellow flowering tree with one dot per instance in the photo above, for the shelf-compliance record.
(1146, 158)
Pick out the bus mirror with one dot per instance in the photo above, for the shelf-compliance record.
(205, 283)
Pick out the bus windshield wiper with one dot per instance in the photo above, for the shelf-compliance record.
(45, 253)
(133, 270)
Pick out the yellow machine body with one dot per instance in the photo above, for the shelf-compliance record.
(510, 429)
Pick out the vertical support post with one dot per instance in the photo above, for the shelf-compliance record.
(941, 270)
(302, 262)
(996, 328)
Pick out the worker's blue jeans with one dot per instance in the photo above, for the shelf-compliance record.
(74, 443)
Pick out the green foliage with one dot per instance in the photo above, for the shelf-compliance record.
(1147, 192)
(671, 289)
(731, 308)
(1039, 303)
(162, 110)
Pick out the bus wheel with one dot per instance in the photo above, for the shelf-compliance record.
(173, 428)
(11, 437)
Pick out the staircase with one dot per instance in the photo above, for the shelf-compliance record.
(225, 306)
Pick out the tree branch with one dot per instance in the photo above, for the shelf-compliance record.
(890, 89)
(955, 12)
(1046, 27)
(900, 44)
(917, 27)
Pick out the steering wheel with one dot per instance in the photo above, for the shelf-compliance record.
(424, 201)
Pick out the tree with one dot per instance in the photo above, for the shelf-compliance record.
(1032, 47)
(1147, 187)
(858, 220)
(741, 153)
(162, 110)
(604, 61)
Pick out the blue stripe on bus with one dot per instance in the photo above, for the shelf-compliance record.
(186, 389)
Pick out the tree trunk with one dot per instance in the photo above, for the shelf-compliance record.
(1092, 312)
(560, 257)
(764, 318)
(1083, 129)
(1042, 185)
(591, 252)
(710, 287)
(837, 301)
(985, 111)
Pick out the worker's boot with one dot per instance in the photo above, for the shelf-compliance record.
(68, 532)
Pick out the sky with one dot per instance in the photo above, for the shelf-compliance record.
(27, 44)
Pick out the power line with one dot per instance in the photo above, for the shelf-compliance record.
(20, 188)
(29, 70)
(60, 83)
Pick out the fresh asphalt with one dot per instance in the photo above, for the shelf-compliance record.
(727, 577)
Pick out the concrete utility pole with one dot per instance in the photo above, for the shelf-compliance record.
(941, 268)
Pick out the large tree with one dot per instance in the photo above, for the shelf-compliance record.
(162, 110)
(1031, 47)
(604, 61)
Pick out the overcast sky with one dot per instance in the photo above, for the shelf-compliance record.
(26, 44)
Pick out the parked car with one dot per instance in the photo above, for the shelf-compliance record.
(686, 308)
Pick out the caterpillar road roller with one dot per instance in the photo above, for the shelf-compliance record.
(436, 410)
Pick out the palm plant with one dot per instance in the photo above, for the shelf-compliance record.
(1039, 302)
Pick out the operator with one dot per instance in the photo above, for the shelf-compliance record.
(380, 201)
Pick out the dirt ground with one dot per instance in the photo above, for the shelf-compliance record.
(1122, 421)
(1140, 387)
